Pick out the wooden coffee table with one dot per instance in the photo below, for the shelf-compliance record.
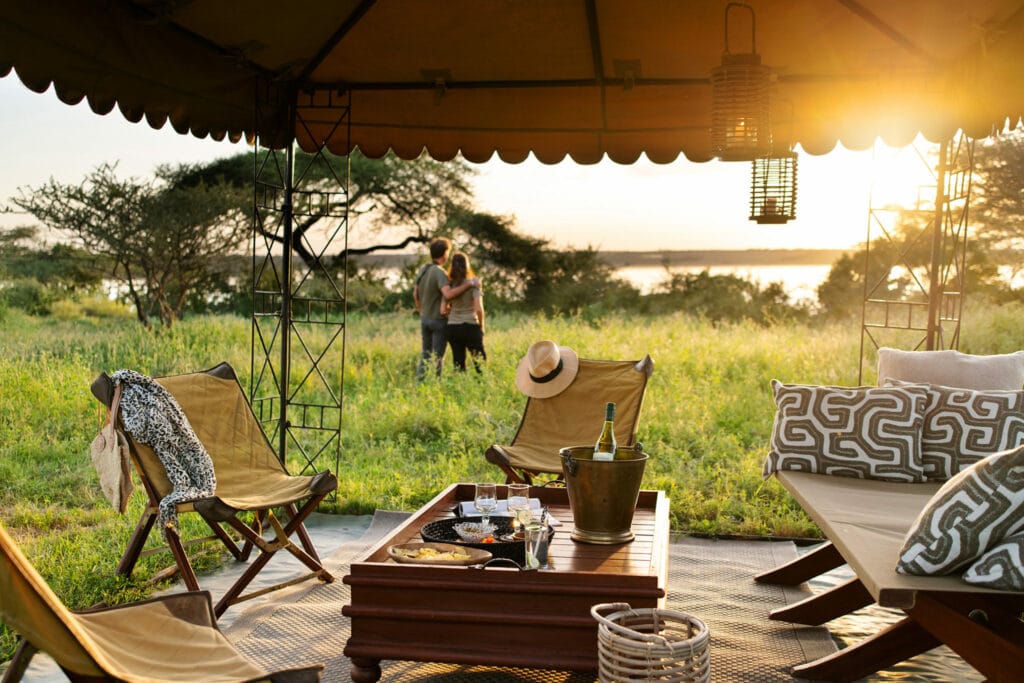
(500, 616)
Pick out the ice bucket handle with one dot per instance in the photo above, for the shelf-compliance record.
(569, 463)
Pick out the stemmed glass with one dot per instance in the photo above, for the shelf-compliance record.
(485, 500)
(518, 500)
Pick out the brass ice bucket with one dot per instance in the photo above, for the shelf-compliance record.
(603, 494)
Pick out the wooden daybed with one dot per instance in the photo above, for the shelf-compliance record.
(866, 522)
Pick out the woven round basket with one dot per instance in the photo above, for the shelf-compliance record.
(644, 645)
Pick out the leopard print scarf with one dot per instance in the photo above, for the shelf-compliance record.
(153, 417)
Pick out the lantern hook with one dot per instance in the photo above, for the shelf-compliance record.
(753, 25)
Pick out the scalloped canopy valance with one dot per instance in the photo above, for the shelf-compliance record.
(558, 78)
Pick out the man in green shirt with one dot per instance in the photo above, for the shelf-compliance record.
(433, 288)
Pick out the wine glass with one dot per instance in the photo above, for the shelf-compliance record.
(518, 499)
(485, 500)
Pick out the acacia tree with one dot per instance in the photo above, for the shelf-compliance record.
(998, 204)
(415, 195)
(525, 272)
(160, 238)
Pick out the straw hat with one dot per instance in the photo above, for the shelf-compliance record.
(546, 369)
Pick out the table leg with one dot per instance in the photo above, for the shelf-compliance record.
(365, 670)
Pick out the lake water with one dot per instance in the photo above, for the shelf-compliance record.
(800, 282)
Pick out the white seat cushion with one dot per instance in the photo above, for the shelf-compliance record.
(952, 369)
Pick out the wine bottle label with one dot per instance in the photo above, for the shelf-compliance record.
(603, 455)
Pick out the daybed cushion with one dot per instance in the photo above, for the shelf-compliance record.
(863, 432)
(1002, 567)
(970, 513)
(952, 369)
(962, 426)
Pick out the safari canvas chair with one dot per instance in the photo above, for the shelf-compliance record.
(251, 484)
(574, 417)
(170, 638)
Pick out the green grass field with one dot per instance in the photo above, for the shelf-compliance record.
(706, 422)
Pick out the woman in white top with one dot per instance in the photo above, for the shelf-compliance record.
(465, 316)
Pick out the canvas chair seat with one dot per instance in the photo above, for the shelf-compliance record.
(172, 638)
(249, 475)
(574, 418)
(250, 479)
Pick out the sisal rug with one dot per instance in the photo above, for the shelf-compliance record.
(712, 580)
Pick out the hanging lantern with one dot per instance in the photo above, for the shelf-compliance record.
(773, 189)
(740, 117)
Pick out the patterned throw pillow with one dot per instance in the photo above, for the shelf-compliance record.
(863, 432)
(1002, 567)
(971, 513)
(962, 426)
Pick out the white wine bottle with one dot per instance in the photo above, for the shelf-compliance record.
(605, 447)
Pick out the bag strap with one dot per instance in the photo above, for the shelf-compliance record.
(115, 403)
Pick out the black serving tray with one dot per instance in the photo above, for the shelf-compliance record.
(443, 531)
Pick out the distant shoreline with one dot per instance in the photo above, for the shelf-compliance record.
(724, 257)
(676, 258)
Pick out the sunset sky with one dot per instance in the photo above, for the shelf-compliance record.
(643, 206)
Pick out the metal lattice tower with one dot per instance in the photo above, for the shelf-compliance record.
(299, 313)
(915, 257)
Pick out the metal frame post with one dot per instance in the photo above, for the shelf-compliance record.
(299, 304)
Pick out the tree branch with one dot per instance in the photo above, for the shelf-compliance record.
(362, 251)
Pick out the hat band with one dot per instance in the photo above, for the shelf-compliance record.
(550, 376)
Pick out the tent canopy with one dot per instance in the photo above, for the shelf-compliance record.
(583, 78)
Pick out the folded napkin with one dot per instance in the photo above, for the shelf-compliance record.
(466, 509)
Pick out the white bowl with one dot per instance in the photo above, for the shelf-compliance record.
(474, 532)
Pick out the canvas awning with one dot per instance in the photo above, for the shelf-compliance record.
(583, 78)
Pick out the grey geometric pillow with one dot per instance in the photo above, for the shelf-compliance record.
(972, 512)
(863, 432)
(962, 426)
(1002, 567)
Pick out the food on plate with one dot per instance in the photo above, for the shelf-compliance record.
(427, 553)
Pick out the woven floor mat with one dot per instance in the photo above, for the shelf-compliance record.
(712, 580)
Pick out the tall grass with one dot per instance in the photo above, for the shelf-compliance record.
(706, 422)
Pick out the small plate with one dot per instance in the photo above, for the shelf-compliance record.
(474, 532)
(406, 553)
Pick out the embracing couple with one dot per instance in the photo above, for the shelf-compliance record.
(451, 308)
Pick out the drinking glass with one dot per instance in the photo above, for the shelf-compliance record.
(485, 500)
(535, 517)
(518, 500)
(536, 541)
(536, 538)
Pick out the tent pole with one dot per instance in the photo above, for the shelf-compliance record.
(935, 284)
(286, 289)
